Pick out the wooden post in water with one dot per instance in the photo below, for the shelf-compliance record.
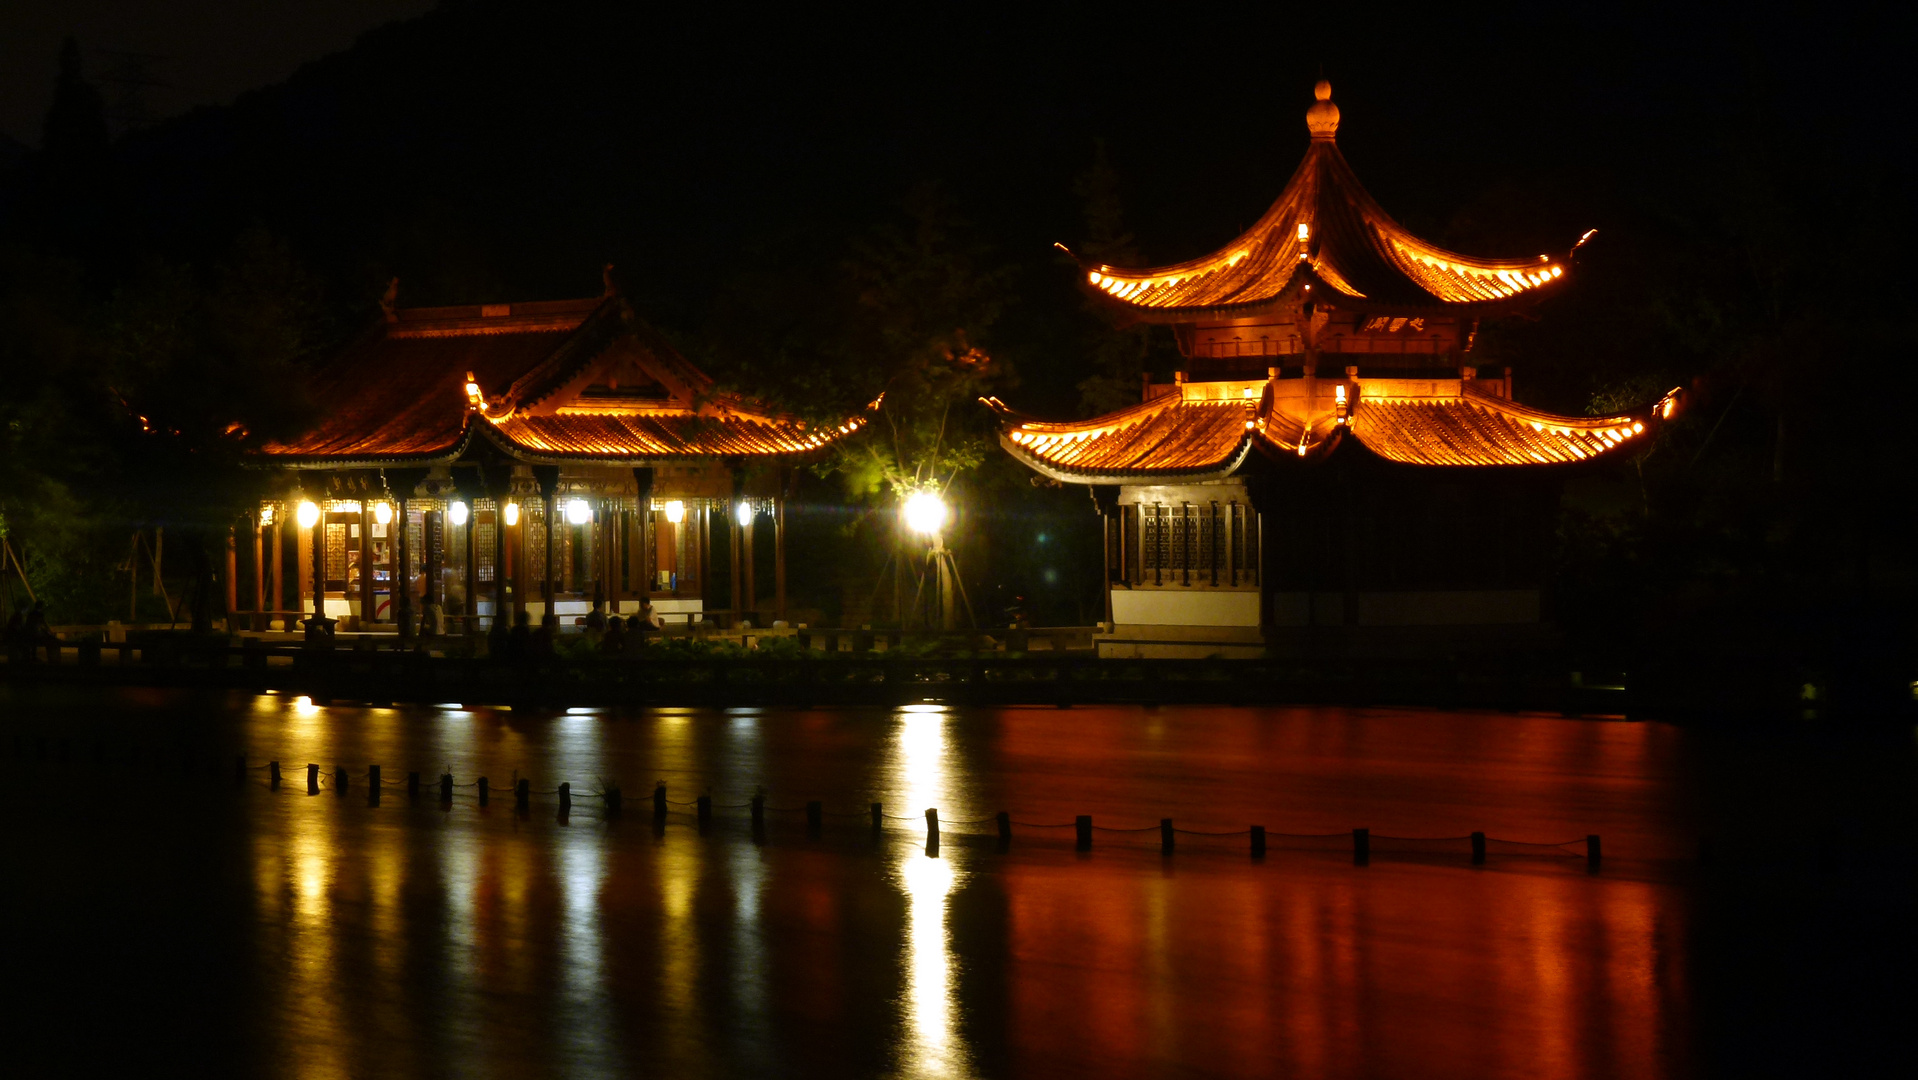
(1082, 827)
(312, 779)
(522, 795)
(1258, 841)
(705, 810)
(1361, 846)
(759, 811)
(1165, 835)
(877, 818)
(273, 775)
(446, 787)
(659, 801)
(611, 798)
(932, 824)
(1004, 821)
(1478, 848)
(815, 816)
(373, 784)
(1592, 853)
(483, 791)
(412, 785)
(565, 799)
(339, 781)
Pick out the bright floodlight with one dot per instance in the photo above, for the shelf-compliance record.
(309, 515)
(925, 513)
(512, 514)
(743, 513)
(457, 512)
(578, 512)
(383, 512)
(675, 511)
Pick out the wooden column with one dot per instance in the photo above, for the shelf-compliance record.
(516, 563)
(499, 561)
(549, 586)
(259, 570)
(779, 557)
(432, 531)
(369, 601)
(232, 577)
(733, 564)
(472, 568)
(706, 595)
(319, 566)
(279, 561)
(403, 567)
(746, 563)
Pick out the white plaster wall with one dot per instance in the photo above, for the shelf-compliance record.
(1155, 607)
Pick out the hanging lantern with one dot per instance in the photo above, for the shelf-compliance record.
(675, 511)
(512, 514)
(578, 512)
(743, 513)
(309, 515)
(457, 512)
(383, 513)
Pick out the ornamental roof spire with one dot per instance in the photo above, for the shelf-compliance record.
(1322, 119)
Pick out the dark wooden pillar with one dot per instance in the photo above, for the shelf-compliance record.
(549, 584)
(433, 530)
(733, 563)
(707, 597)
(259, 570)
(232, 577)
(403, 568)
(471, 612)
(499, 559)
(779, 557)
(369, 600)
(279, 561)
(746, 562)
(516, 563)
(319, 565)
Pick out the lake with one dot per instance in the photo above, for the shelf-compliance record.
(165, 915)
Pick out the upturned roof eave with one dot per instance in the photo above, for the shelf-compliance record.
(1131, 476)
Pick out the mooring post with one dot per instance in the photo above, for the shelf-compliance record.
(1083, 827)
(312, 779)
(373, 785)
(932, 824)
(1165, 835)
(483, 790)
(446, 787)
(705, 810)
(815, 816)
(565, 799)
(1592, 853)
(659, 801)
(1478, 848)
(522, 794)
(1258, 841)
(273, 775)
(239, 768)
(759, 811)
(412, 785)
(613, 797)
(339, 781)
(1361, 846)
(1004, 821)
(877, 817)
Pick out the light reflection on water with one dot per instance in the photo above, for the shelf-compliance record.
(409, 938)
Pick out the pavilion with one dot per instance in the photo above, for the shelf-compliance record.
(1331, 471)
(537, 457)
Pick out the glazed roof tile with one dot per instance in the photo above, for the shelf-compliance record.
(1324, 229)
(1175, 434)
(611, 437)
(1474, 428)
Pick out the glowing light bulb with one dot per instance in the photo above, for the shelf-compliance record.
(266, 515)
(578, 512)
(512, 514)
(675, 511)
(457, 512)
(925, 513)
(309, 515)
(383, 512)
(743, 513)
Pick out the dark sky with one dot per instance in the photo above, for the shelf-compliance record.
(208, 50)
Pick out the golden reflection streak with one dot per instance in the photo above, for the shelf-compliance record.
(919, 763)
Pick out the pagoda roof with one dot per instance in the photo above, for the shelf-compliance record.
(560, 381)
(1324, 237)
(1201, 431)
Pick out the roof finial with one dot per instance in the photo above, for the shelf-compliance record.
(391, 298)
(606, 279)
(1323, 117)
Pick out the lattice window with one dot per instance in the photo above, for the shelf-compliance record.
(1180, 555)
(1207, 537)
(1237, 513)
(484, 540)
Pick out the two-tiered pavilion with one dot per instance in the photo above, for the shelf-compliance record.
(1331, 468)
(537, 457)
